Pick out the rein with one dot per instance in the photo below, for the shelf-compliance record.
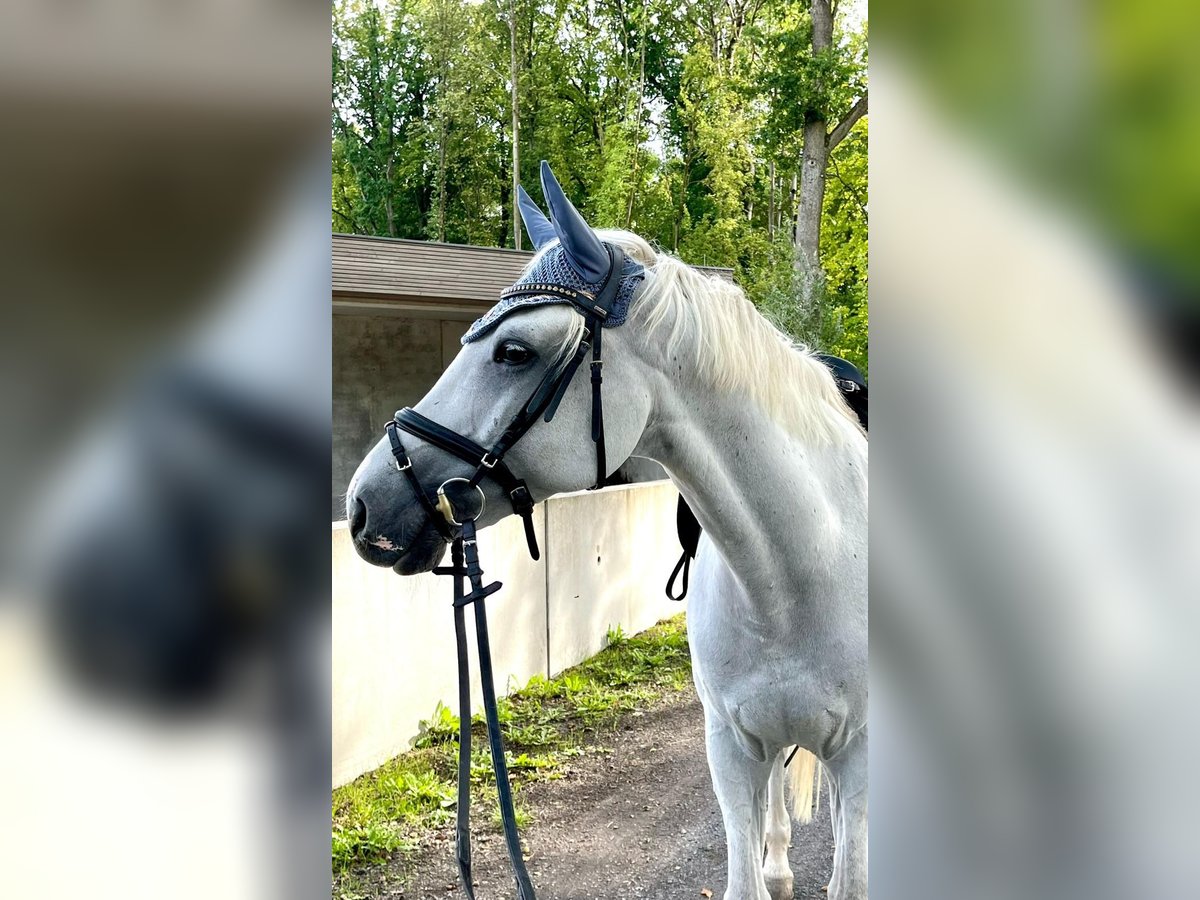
(465, 568)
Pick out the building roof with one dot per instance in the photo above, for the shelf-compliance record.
(396, 276)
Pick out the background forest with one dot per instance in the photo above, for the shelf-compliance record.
(731, 132)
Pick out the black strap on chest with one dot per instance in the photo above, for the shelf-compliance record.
(687, 526)
(465, 569)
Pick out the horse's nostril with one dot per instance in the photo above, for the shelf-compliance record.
(358, 517)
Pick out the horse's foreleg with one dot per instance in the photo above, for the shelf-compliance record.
(776, 872)
(740, 783)
(848, 777)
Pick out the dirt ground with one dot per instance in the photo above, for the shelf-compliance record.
(632, 818)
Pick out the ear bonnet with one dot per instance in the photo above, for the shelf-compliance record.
(572, 271)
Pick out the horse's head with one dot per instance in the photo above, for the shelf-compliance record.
(514, 360)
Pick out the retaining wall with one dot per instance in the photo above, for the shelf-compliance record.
(606, 556)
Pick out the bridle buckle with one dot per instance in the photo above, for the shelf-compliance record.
(401, 468)
(486, 463)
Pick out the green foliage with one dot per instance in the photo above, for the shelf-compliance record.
(378, 814)
(371, 843)
(546, 724)
(440, 728)
(682, 122)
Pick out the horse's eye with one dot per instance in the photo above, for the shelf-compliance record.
(512, 354)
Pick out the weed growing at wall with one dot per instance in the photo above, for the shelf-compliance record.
(395, 808)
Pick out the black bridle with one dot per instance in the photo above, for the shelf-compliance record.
(489, 463)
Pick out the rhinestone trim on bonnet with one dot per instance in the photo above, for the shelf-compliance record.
(552, 268)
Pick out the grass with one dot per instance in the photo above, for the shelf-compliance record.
(548, 722)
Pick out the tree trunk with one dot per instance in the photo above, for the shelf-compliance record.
(794, 217)
(516, 141)
(813, 161)
(637, 128)
(750, 193)
(387, 200)
(441, 228)
(442, 103)
(506, 211)
(771, 202)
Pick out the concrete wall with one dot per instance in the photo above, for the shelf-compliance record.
(606, 556)
(380, 363)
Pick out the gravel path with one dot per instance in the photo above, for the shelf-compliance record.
(634, 819)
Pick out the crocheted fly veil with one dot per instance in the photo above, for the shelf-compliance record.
(579, 262)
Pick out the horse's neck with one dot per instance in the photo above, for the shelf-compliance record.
(783, 513)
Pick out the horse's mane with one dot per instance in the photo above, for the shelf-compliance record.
(735, 349)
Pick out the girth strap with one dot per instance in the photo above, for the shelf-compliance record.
(683, 566)
(688, 529)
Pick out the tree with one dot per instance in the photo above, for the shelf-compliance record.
(381, 88)
(818, 142)
(815, 76)
(732, 132)
(516, 123)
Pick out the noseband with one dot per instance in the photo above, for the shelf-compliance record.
(543, 403)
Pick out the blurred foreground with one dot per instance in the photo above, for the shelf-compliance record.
(164, 628)
(1035, 451)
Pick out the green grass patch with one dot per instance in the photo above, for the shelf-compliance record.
(548, 722)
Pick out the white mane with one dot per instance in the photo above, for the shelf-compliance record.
(734, 347)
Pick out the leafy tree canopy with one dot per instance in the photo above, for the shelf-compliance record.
(680, 121)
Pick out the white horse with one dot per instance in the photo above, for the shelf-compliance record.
(757, 438)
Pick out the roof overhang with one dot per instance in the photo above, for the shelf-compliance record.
(425, 279)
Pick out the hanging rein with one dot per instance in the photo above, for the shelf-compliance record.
(458, 528)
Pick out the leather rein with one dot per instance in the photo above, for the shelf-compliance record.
(465, 569)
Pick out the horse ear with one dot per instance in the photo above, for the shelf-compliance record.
(538, 227)
(585, 250)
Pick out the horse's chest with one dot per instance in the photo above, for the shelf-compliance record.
(752, 678)
(740, 667)
(775, 682)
